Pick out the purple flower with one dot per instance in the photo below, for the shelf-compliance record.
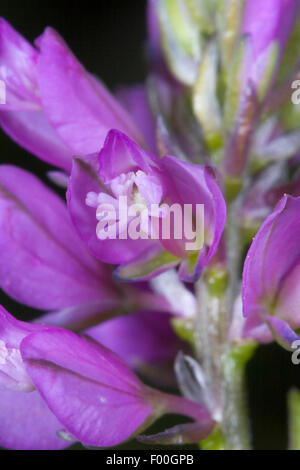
(144, 340)
(271, 276)
(93, 393)
(54, 108)
(124, 169)
(26, 423)
(43, 262)
(45, 265)
(266, 27)
(108, 269)
(81, 382)
(268, 24)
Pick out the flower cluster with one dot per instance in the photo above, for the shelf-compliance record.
(213, 126)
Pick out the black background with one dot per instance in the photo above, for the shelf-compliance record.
(108, 36)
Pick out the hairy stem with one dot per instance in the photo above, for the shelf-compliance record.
(235, 420)
(223, 363)
(209, 338)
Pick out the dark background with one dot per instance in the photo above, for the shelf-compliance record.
(108, 36)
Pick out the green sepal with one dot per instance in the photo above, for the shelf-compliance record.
(216, 279)
(215, 441)
(182, 26)
(239, 355)
(233, 187)
(184, 329)
(203, 12)
(233, 84)
(205, 100)
(289, 116)
(145, 266)
(180, 38)
(229, 19)
(249, 229)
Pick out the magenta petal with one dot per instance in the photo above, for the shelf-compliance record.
(140, 338)
(135, 100)
(120, 154)
(196, 185)
(26, 423)
(273, 22)
(43, 263)
(13, 331)
(282, 332)
(84, 179)
(288, 299)
(22, 117)
(79, 317)
(31, 130)
(256, 329)
(17, 68)
(273, 253)
(87, 387)
(271, 272)
(123, 163)
(79, 108)
(266, 22)
(60, 178)
(13, 376)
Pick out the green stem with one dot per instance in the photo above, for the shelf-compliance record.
(209, 343)
(235, 422)
(224, 370)
(224, 364)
